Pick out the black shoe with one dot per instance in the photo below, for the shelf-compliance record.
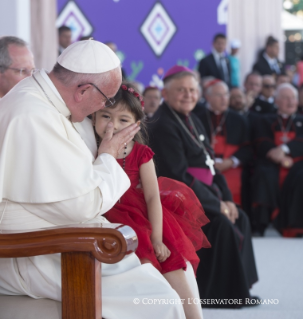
(252, 301)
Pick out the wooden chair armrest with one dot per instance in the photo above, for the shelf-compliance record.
(82, 248)
(108, 243)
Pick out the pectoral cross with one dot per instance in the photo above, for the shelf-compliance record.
(284, 138)
(201, 137)
(210, 163)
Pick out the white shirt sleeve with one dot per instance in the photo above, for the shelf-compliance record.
(236, 161)
(89, 206)
(285, 148)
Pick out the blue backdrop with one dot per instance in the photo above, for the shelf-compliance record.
(176, 32)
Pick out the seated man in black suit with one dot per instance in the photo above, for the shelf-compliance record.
(216, 64)
(268, 62)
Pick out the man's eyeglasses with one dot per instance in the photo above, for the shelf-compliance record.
(23, 72)
(109, 101)
(269, 86)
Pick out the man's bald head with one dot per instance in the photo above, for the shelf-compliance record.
(217, 95)
(16, 63)
(286, 99)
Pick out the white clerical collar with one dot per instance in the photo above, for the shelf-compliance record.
(269, 100)
(210, 109)
(50, 84)
(284, 116)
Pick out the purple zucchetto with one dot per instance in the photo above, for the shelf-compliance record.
(176, 69)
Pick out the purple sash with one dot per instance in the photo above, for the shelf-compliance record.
(202, 174)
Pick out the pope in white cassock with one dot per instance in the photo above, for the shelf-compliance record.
(49, 176)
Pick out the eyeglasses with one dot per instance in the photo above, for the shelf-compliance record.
(109, 101)
(269, 86)
(226, 95)
(23, 72)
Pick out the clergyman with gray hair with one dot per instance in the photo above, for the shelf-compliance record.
(183, 152)
(277, 181)
(229, 134)
(16, 63)
(52, 173)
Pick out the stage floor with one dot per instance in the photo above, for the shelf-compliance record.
(280, 270)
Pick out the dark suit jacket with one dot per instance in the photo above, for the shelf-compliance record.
(175, 152)
(262, 107)
(262, 67)
(208, 67)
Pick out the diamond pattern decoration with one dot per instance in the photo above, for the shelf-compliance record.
(73, 17)
(158, 29)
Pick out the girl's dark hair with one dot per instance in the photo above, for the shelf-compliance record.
(132, 103)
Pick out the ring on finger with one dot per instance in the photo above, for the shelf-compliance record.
(226, 211)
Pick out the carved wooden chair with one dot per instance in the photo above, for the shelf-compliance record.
(82, 248)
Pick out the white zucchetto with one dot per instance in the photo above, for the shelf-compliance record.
(88, 56)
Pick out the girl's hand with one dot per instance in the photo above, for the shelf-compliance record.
(161, 251)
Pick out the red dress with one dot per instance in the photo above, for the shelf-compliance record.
(183, 216)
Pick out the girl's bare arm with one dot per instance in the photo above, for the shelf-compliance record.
(154, 208)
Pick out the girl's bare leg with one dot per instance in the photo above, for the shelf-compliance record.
(178, 281)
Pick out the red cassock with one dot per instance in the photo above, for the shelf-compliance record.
(232, 175)
(183, 216)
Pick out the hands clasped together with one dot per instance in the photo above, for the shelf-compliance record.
(278, 156)
(226, 164)
(230, 210)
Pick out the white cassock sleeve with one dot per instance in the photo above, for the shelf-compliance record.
(84, 208)
(115, 181)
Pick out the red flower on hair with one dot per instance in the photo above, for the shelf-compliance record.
(136, 94)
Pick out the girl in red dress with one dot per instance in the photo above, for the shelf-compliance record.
(167, 222)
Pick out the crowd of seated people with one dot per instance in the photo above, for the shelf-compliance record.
(257, 139)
